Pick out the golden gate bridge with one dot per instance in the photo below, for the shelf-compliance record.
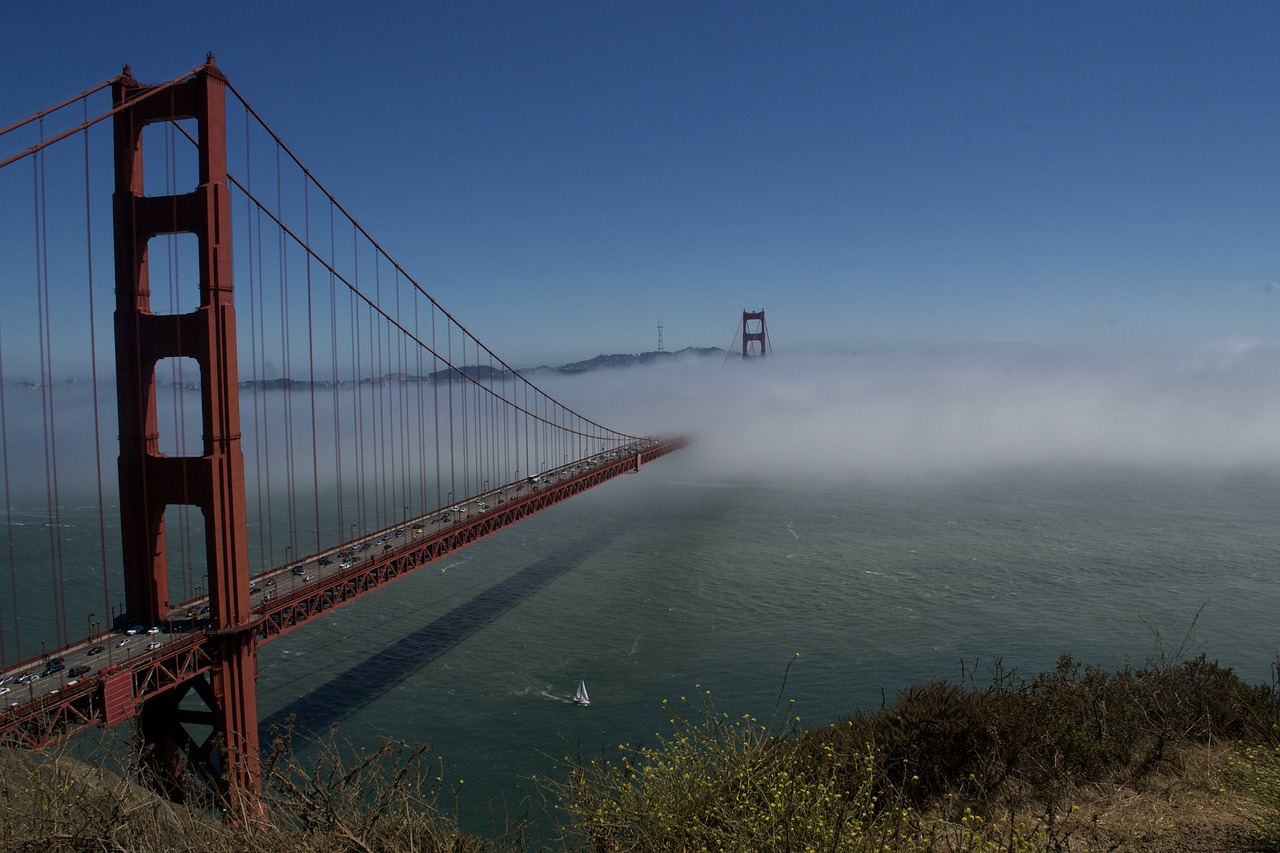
(285, 446)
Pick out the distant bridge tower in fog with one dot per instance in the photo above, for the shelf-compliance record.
(755, 340)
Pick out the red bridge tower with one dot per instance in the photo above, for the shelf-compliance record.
(214, 481)
(755, 341)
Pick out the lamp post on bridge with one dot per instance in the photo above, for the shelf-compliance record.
(287, 549)
(353, 533)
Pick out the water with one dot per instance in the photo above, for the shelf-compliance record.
(655, 583)
(651, 585)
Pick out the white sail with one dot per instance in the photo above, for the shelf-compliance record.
(581, 697)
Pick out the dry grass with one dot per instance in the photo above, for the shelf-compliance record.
(382, 800)
(1184, 806)
(1164, 758)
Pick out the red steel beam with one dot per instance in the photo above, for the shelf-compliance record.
(213, 481)
(284, 613)
(53, 718)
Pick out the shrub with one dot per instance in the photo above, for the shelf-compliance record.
(723, 784)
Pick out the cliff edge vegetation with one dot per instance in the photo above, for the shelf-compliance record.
(1167, 756)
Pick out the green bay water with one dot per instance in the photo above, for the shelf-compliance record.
(663, 585)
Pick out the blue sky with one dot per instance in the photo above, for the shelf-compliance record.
(564, 175)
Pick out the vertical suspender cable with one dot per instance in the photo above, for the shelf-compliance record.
(375, 365)
(253, 239)
(435, 404)
(335, 385)
(311, 364)
(287, 390)
(8, 517)
(93, 368)
(362, 462)
(54, 510)
(267, 434)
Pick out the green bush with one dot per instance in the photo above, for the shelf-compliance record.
(944, 769)
(719, 784)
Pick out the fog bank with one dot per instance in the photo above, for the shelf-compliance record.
(937, 411)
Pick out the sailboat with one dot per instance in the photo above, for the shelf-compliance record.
(580, 697)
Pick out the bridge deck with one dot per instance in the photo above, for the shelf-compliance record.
(122, 670)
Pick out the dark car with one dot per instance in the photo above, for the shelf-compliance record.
(77, 671)
(96, 650)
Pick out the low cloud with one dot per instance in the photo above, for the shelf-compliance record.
(929, 411)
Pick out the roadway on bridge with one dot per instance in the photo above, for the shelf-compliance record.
(63, 668)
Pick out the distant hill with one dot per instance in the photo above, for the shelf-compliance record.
(629, 359)
(477, 372)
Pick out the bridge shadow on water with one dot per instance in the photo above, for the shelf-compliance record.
(360, 685)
